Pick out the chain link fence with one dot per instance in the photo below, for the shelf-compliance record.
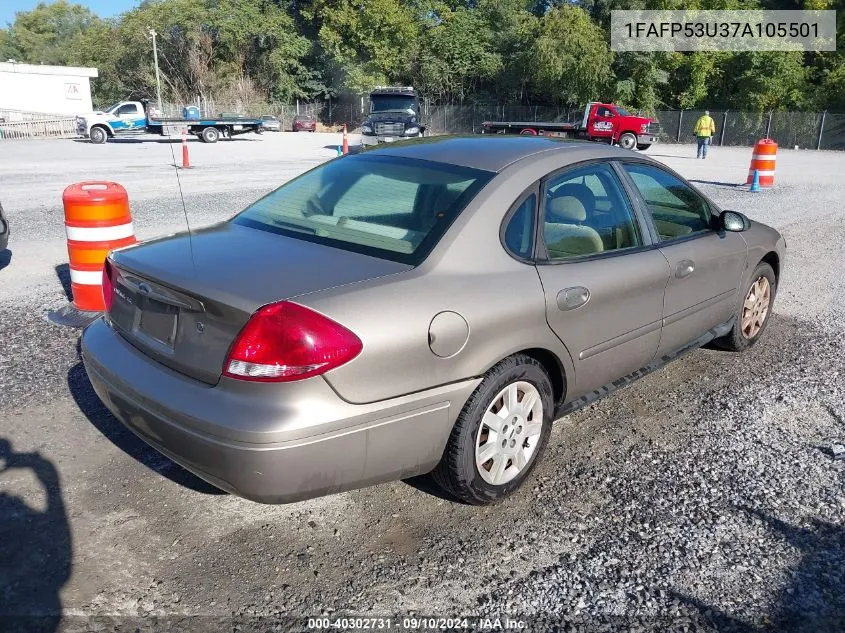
(806, 130)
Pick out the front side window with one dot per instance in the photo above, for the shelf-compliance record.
(676, 209)
(586, 212)
(386, 206)
(129, 108)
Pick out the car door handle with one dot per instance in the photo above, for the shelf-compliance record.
(571, 298)
(684, 268)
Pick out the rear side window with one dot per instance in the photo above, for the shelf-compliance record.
(519, 233)
(586, 212)
(391, 207)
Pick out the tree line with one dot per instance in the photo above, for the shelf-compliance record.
(538, 52)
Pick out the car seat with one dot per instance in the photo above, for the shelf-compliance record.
(564, 234)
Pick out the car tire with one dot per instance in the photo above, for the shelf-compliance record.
(628, 140)
(98, 135)
(513, 380)
(643, 146)
(210, 135)
(754, 311)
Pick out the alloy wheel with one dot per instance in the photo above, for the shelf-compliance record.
(756, 307)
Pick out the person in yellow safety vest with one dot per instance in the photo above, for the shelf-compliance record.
(705, 128)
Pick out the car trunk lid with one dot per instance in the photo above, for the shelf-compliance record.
(183, 299)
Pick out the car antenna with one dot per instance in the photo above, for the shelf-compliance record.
(182, 198)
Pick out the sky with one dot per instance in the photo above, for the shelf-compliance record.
(103, 8)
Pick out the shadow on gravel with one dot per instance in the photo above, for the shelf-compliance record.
(353, 149)
(426, 484)
(5, 258)
(96, 412)
(35, 545)
(730, 185)
(672, 156)
(63, 273)
(173, 140)
(812, 600)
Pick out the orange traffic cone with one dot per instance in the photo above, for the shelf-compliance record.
(97, 220)
(763, 163)
(186, 162)
(345, 140)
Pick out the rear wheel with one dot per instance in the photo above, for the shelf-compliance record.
(528, 132)
(98, 135)
(210, 135)
(754, 311)
(628, 140)
(500, 435)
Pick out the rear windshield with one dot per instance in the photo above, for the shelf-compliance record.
(386, 206)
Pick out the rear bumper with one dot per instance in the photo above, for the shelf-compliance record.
(266, 442)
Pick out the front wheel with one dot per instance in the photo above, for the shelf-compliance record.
(628, 140)
(754, 311)
(500, 435)
(98, 135)
(210, 135)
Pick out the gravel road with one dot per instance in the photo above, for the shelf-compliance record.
(705, 497)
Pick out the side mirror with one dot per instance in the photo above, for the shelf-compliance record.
(734, 221)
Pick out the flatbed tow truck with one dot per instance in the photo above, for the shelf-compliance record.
(601, 122)
(136, 117)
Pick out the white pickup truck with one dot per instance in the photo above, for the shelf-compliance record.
(133, 117)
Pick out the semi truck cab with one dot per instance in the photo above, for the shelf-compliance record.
(394, 115)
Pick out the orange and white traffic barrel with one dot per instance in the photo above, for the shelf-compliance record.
(763, 162)
(97, 220)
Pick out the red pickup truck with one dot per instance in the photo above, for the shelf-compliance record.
(604, 122)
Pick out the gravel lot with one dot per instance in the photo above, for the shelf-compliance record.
(704, 497)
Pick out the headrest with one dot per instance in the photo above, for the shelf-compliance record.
(566, 209)
(582, 192)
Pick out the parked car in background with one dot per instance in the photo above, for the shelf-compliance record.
(4, 230)
(271, 123)
(425, 305)
(304, 123)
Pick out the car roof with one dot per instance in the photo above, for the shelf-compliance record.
(493, 152)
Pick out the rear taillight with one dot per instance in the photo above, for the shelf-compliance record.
(286, 341)
(108, 285)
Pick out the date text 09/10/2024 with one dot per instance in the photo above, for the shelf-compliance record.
(416, 624)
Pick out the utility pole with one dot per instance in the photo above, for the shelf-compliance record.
(155, 60)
